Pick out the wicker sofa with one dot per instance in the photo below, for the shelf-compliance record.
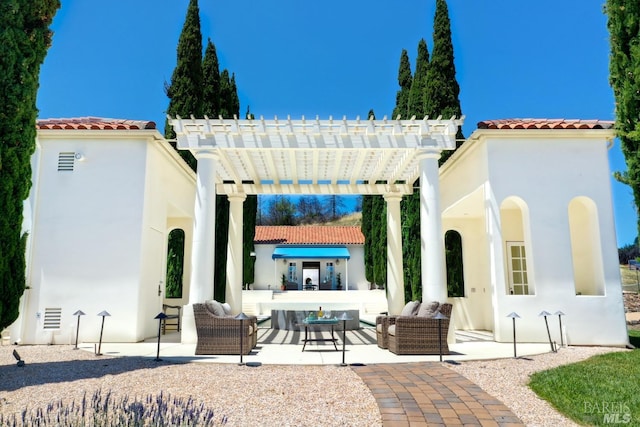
(416, 333)
(220, 334)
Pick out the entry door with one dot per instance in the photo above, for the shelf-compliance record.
(311, 270)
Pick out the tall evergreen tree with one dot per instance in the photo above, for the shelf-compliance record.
(366, 228)
(404, 80)
(442, 90)
(250, 209)
(24, 40)
(442, 98)
(418, 85)
(185, 90)
(379, 232)
(211, 80)
(410, 205)
(624, 76)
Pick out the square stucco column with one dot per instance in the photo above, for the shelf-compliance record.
(395, 276)
(203, 246)
(434, 286)
(234, 253)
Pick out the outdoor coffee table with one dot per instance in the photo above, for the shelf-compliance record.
(319, 322)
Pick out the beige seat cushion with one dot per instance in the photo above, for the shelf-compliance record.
(410, 308)
(214, 307)
(379, 327)
(392, 330)
(428, 309)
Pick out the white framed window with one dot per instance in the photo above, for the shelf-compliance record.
(518, 276)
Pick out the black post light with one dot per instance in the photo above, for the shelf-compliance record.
(104, 314)
(161, 316)
(546, 322)
(78, 313)
(514, 316)
(344, 319)
(560, 314)
(241, 317)
(440, 318)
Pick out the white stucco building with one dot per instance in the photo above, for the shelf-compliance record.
(530, 201)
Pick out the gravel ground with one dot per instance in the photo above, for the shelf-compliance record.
(507, 379)
(266, 396)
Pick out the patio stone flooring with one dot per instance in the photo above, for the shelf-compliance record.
(430, 394)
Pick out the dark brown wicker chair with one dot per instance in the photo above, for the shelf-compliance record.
(418, 335)
(382, 335)
(221, 335)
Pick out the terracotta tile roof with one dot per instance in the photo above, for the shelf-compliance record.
(94, 123)
(545, 124)
(309, 235)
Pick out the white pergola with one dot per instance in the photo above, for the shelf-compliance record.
(384, 157)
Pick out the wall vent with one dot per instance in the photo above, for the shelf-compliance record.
(66, 161)
(52, 318)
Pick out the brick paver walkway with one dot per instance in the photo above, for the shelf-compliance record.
(430, 394)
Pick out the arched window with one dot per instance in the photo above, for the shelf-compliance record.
(588, 275)
(455, 268)
(175, 263)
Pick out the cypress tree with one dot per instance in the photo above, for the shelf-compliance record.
(185, 90)
(211, 80)
(442, 90)
(24, 40)
(366, 227)
(404, 80)
(410, 205)
(442, 98)
(624, 76)
(418, 85)
(379, 232)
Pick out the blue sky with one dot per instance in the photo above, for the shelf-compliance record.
(542, 59)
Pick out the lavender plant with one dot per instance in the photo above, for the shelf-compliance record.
(104, 410)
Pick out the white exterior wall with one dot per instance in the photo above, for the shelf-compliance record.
(269, 271)
(98, 234)
(547, 174)
(543, 174)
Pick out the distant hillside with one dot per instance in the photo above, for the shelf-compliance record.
(354, 218)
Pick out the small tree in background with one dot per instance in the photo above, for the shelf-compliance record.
(25, 38)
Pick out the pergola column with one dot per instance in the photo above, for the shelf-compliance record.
(395, 276)
(434, 287)
(235, 253)
(203, 245)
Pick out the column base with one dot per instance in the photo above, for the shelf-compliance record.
(188, 334)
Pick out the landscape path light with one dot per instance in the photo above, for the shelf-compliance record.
(560, 314)
(544, 314)
(440, 318)
(78, 313)
(241, 317)
(104, 314)
(161, 316)
(344, 319)
(513, 317)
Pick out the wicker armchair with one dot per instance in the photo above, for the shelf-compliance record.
(418, 335)
(221, 335)
(382, 327)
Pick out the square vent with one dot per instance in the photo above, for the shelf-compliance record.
(66, 161)
(52, 318)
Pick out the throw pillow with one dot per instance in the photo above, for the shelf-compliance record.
(227, 308)
(215, 307)
(410, 308)
(428, 309)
